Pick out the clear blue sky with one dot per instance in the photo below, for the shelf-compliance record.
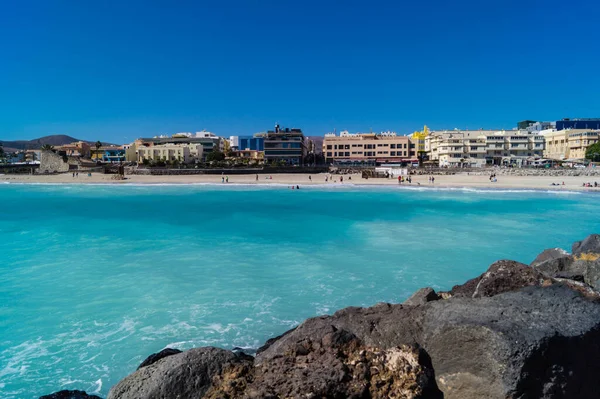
(118, 70)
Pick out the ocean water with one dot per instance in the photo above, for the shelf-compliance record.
(95, 278)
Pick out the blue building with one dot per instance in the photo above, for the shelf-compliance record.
(113, 155)
(251, 143)
(580, 123)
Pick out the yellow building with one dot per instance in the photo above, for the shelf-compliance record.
(418, 138)
(557, 144)
(579, 141)
(569, 144)
(381, 148)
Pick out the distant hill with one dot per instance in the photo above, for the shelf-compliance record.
(36, 144)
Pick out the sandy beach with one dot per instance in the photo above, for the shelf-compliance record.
(571, 183)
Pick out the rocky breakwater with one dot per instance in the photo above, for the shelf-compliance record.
(516, 331)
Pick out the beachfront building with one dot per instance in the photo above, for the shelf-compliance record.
(368, 148)
(477, 148)
(557, 144)
(247, 143)
(579, 141)
(207, 140)
(418, 139)
(168, 152)
(79, 149)
(569, 144)
(109, 154)
(284, 145)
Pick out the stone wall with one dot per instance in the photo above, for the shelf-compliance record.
(52, 163)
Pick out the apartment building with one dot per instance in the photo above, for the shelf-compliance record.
(569, 144)
(284, 145)
(579, 141)
(477, 148)
(185, 153)
(206, 140)
(386, 147)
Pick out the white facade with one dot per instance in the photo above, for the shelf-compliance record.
(478, 148)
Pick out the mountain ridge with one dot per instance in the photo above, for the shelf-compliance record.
(36, 144)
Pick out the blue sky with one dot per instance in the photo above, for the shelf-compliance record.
(118, 70)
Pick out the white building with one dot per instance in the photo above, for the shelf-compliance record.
(476, 148)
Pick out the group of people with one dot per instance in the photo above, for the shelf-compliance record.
(431, 179)
(493, 178)
(330, 178)
(558, 184)
(402, 179)
(590, 184)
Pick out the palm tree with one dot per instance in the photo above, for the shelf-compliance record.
(98, 145)
(47, 147)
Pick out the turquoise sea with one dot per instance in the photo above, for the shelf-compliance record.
(95, 278)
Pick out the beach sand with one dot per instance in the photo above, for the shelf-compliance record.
(451, 181)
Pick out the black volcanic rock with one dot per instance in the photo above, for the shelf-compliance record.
(549, 254)
(153, 358)
(422, 296)
(583, 265)
(479, 347)
(184, 375)
(502, 276)
(70, 395)
(591, 244)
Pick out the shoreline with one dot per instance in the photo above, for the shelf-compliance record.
(420, 182)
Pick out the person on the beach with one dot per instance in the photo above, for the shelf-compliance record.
(297, 187)
(226, 179)
(399, 180)
(73, 175)
(341, 179)
(309, 178)
(432, 179)
(222, 179)
(257, 177)
(76, 174)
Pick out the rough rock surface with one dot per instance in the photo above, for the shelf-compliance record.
(591, 244)
(185, 375)
(332, 363)
(153, 358)
(422, 296)
(549, 254)
(502, 276)
(70, 395)
(480, 347)
(583, 265)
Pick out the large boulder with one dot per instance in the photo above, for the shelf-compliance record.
(422, 296)
(583, 265)
(185, 375)
(502, 276)
(511, 345)
(548, 255)
(155, 357)
(590, 245)
(332, 363)
(65, 394)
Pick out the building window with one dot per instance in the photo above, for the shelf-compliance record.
(329, 147)
(393, 153)
(329, 155)
(392, 145)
